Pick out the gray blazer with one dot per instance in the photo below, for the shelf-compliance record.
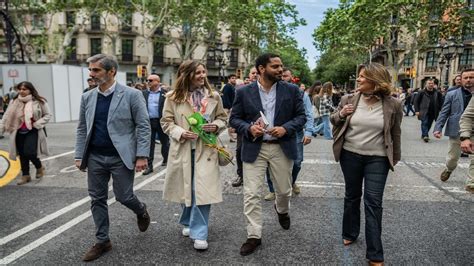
(451, 112)
(128, 125)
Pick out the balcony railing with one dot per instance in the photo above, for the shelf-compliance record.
(431, 68)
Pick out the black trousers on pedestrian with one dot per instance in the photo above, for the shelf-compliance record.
(238, 155)
(371, 172)
(164, 140)
(27, 147)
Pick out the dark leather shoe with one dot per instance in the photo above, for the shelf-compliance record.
(250, 246)
(143, 220)
(283, 218)
(164, 163)
(97, 250)
(239, 181)
(148, 171)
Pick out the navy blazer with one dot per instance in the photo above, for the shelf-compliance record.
(289, 113)
(161, 103)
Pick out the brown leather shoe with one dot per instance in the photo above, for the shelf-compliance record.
(97, 250)
(283, 219)
(250, 246)
(445, 175)
(238, 181)
(24, 179)
(143, 220)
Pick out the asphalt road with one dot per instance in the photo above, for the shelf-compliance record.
(425, 221)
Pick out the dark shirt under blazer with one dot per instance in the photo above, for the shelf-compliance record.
(289, 113)
(392, 119)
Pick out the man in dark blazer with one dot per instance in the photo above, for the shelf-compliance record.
(271, 145)
(428, 104)
(155, 100)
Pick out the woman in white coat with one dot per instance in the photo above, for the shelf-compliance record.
(192, 175)
(24, 120)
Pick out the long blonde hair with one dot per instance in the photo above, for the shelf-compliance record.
(184, 78)
(380, 76)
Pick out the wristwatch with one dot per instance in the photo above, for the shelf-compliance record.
(464, 138)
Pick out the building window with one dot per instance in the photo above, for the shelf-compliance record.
(70, 18)
(433, 34)
(187, 29)
(234, 58)
(408, 61)
(159, 31)
(127, 50)
(37, 21)
(127, 23)
(430, 60)
(96, 46)
(470, 5)
(157, 53)
(466, 58)
(95, 22)
(71, 53)
(468, 32)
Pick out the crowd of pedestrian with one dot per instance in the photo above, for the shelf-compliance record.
(269, 117)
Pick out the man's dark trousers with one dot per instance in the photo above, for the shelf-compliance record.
(164, 140)
(99, 169)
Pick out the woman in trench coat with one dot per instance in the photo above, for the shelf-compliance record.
(25, 120)
(192, 175)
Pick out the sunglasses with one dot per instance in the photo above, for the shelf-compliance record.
(150, 80)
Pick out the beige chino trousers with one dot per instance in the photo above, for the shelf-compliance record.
(271, 156)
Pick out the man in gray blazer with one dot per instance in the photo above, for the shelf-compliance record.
(113, 139)
(454, 105)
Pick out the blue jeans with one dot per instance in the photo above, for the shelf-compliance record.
(426, 123)
(195, 217)
(371, 171)
(325, 126)
(296, 164)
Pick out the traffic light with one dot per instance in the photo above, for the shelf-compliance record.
(141, 71)
(408, 71)
(413, 73)
(238, 73)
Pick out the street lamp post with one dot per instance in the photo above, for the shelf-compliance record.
(448, 51)
(441, 64)
(221, 54)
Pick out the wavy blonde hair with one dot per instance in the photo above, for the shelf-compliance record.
(184, 80)
(379, 75)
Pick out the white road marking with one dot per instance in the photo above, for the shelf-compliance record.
(403, 163)
(57, 156)
(40, 241)
(310, 184)
(53, 216)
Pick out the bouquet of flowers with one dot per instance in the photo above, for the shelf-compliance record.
(196, 121)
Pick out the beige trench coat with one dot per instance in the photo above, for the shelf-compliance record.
(41, 116)
(177, 188)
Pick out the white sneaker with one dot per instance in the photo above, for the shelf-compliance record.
(185, 231)
(200, 244)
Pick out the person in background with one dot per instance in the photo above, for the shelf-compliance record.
(408, 102)
(456, 83)
(325, 109)
(367, 143)
(25, 120)
(315, 89)
(428, 103)
(252, 77)
(155, 100)
(228, 95)
(90, 85)
(192, 175)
